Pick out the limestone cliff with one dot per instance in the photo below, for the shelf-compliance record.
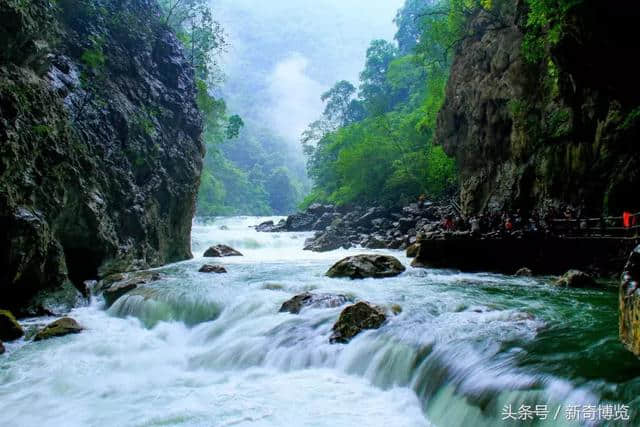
(101, 145)
(562, 129)
(629, 296)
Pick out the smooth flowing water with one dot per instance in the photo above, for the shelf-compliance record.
(200, 349)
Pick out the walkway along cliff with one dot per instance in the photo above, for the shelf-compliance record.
(101, 147)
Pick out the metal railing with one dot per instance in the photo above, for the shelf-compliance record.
(612, 226)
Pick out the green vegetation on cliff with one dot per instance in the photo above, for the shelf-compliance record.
(243, 173)
(375, 143)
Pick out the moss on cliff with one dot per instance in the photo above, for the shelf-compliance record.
(103, 154)
(552, 122)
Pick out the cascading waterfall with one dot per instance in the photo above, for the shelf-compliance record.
(212, 349)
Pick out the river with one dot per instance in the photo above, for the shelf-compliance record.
(200, 349)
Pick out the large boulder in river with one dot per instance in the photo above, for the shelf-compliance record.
(1, 348)
(10, 329)
(59, 328)
(362, 266)
(577, 279)
(212, 268)
(116, 285)
(629, 300)
(218, 251)
(307, 299)
(356, 318)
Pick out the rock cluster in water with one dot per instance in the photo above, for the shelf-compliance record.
(372, 228)
(629, 299)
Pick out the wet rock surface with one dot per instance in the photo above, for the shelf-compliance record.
(98, 175)
(629, 302)
(219, 251)
(520, 142)
(59, 328)
(212, 268)
(524, 272)
(10, 329)
(307, 299)
(356, 318)
(363, 266)
(117, 285)
(577, 279)
(372, 228)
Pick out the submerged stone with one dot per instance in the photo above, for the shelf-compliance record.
(362, 266)
(59, 328)
(307, 299)
(10, 329)
(221, 251)
(356, 318)
(396, 309)
(212, 268)
(525, 272)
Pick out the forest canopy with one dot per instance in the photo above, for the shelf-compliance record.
(374, 142)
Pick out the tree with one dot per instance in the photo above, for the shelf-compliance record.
(341, 109)
(374, 90)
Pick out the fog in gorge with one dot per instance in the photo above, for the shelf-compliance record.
(279, 59)
(284, 54)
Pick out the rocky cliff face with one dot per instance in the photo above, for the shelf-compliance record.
(629, 296)
(101, 146)
(562, 129)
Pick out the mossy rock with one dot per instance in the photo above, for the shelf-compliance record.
(412, 251)
(59, 328)
(356, 318)
(10, 329)
(363, 266)
(577, 279)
